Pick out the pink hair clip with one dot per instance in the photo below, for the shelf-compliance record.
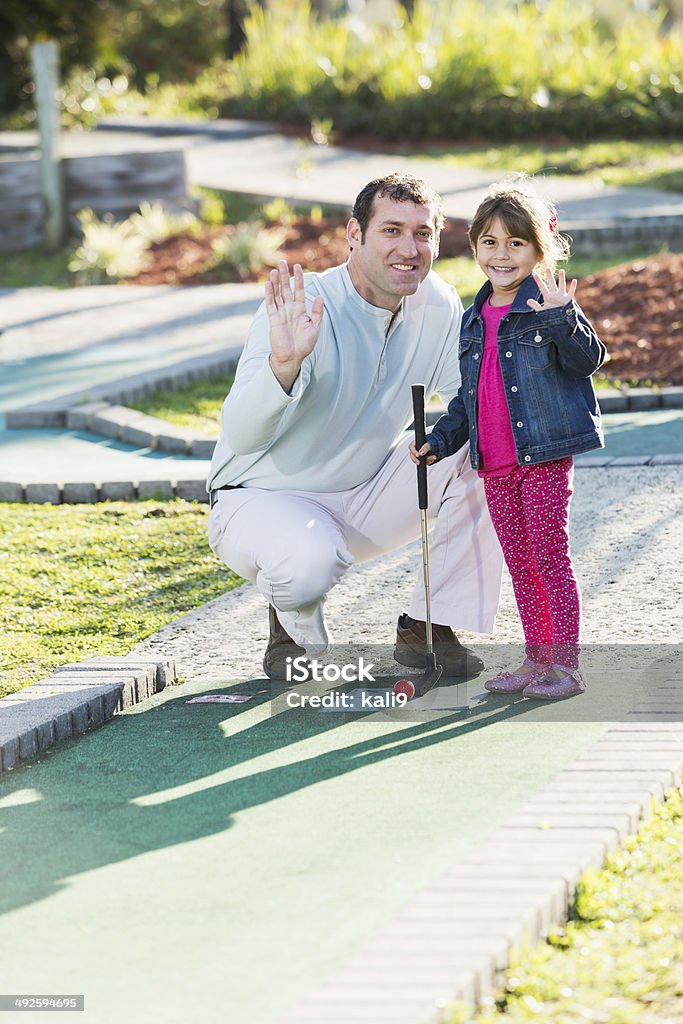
(553, 222)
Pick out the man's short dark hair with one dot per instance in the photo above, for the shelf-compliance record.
(402, 188)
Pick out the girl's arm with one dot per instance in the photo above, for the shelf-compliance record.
(451, 431)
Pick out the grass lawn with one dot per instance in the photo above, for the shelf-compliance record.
(619, 960)
(195, 407)
(649, 163)
(35, 268)
(80, 580)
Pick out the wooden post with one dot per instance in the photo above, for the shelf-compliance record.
(45, 63)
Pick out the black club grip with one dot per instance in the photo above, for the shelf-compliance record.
(420, 436)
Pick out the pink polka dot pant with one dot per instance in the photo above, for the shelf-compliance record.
(530, 512)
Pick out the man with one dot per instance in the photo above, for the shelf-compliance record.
(311, 471)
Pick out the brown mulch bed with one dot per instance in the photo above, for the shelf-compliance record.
(637, 308)
(316, 246)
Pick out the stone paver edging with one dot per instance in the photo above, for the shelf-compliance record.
(40, 492)
(102, 411)
(74, 699)
(453, 940)
(135, 428)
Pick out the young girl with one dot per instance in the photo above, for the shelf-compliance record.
(527, 405)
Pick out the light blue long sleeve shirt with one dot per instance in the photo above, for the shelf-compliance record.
(352, 398)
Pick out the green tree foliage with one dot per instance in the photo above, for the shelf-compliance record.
(173, 40)
(149, 40)
(452, 71)
(82, 30)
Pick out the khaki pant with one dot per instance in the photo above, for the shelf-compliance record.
(295, 545)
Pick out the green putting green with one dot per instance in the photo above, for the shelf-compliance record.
(213, 862)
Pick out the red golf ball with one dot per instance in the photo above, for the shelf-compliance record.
(404, 687)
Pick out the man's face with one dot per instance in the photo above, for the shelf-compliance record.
(400, 245)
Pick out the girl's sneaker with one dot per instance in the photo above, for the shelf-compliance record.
(556, 684)
(516, 682)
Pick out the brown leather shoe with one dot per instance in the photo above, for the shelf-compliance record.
(280, 647)
(411, 648)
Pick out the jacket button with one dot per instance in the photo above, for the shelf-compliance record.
(519, 423)
(476, 355)
(508, 355)
(527, 458)
(538, 338)
(471, 391)
(513, 388)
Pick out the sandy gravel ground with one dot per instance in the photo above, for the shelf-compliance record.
(627, 540)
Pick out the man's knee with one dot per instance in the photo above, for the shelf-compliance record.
(297, 581)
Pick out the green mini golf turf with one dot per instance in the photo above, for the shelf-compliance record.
(212, 862)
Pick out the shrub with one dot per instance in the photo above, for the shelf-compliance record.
(109, 250)
(454, 71)
(511, 70)
(155, 223)
(248, 248)
(112, 250)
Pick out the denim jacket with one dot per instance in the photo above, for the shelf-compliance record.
(546, 358)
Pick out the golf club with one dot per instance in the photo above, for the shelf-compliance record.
(433, 671)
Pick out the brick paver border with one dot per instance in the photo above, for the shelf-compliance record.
(453, 940)
(102, 411)
(75, 699)
(56, 493)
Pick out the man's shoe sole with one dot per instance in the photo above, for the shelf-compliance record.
(405, 655)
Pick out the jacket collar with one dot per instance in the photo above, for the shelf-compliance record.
(527, 290)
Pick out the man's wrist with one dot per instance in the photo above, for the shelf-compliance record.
(285, 373)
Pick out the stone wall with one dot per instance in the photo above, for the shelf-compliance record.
(113, 183)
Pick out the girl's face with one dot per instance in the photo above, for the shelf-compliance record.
(506, 260)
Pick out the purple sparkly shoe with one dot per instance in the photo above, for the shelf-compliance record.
(555, 686)
(515, 682)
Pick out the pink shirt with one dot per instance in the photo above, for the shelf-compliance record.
(497, 456)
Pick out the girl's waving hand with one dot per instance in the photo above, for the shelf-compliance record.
(554, 293)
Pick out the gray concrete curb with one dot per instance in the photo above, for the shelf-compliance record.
(601, 237)
(83, 492)
(453, 940)
(220, 127)
(639, 399)
(40, 492)
(73, 700)
(101, 410)
(88, 409)
(139, 430)
(80, 492)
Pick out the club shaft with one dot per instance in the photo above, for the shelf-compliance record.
(425, 576)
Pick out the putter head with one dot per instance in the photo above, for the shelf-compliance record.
(429, 680)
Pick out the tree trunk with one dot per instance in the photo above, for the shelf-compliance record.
(235, 13)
